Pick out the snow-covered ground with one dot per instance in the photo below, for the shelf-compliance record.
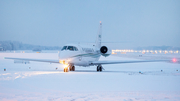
(122, 82)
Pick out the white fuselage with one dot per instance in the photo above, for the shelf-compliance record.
(79, 55)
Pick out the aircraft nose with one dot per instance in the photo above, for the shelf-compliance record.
(62, 55)
(63, 59)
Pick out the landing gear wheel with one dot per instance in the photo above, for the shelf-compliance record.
(99, 68)
(70, 68)
(65, 69)
(73, 68)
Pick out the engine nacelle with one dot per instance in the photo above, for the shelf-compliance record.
(105, 51)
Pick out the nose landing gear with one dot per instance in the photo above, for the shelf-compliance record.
(71, 68)
(66, 69)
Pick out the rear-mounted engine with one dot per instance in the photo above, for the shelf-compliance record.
(105, 51)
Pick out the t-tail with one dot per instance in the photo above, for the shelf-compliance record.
(104, 51)
(98, 39)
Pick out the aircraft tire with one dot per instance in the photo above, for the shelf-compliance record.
(100, 68)
(65, 69)
(97, 68)
(70, 68)
(73, 68)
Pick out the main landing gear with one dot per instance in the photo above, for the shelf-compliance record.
(71, 68)
(99, 68)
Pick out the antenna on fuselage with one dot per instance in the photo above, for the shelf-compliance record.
(98, 38)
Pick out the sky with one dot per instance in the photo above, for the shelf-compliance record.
(58, 22)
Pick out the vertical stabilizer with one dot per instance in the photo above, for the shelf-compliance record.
(98, 39)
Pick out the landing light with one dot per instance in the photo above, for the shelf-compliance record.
(62, 62)
(65, 66)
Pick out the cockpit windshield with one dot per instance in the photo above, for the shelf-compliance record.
(64, 48)
(71, 48)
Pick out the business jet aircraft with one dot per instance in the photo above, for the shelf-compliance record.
(72, 55)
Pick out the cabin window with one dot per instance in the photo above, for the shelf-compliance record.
(88, 50)
(64, 48)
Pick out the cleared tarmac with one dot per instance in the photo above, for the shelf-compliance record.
(156, 81)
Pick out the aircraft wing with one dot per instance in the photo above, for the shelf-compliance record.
(123, 62)
(38, 60)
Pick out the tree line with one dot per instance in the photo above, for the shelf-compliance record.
(15, 45)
